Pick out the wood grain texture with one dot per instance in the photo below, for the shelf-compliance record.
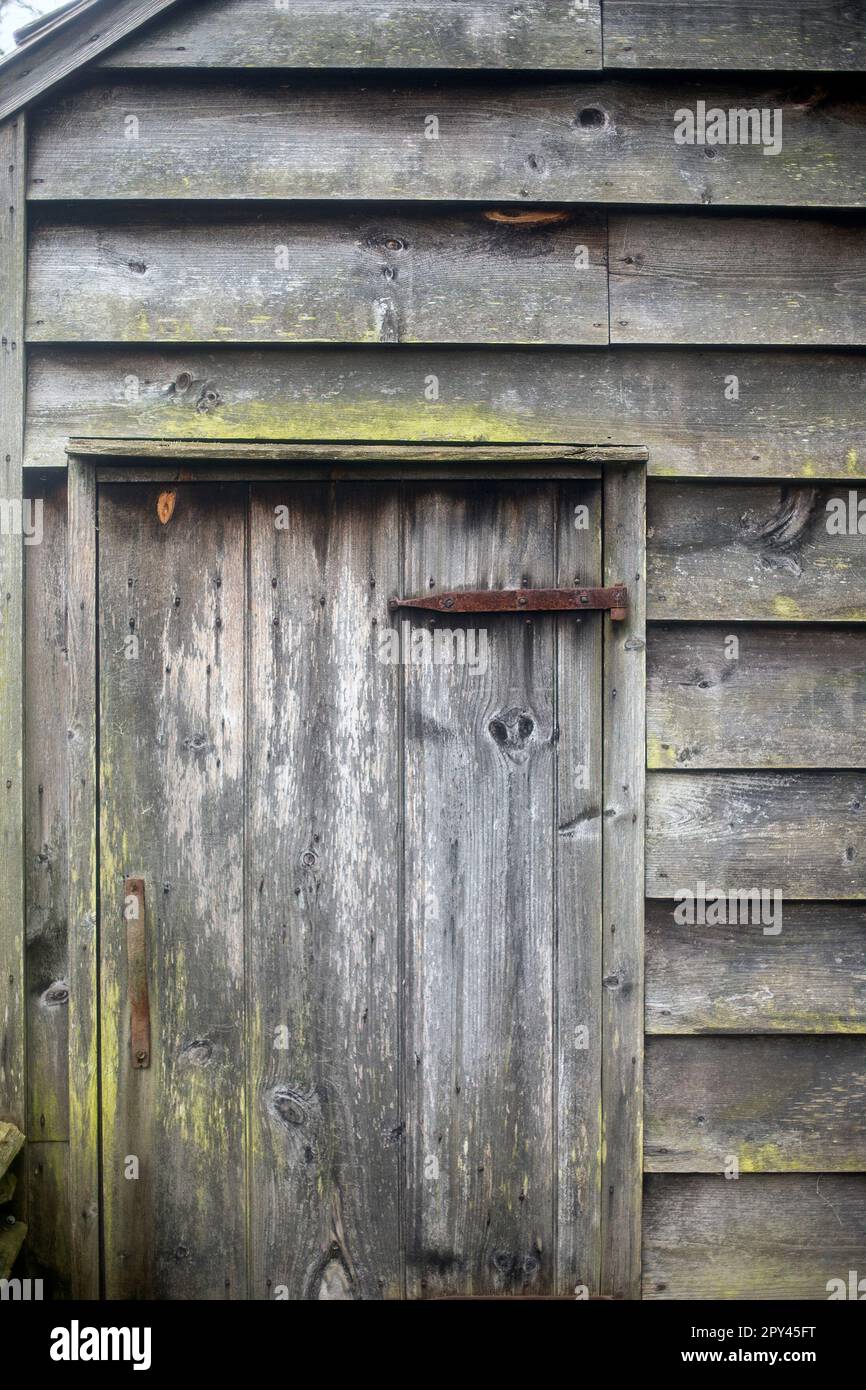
(756, 552)
(761, 1237)
(732, 696)
(45, 809)
(684, 279)
(810, 978)
(774, 35)
(82, 890)
(325, 931)
(775, 1105)
(623, 879)
(600, 141)
(799, 415)
(172, 812)
(13, 1083)
(502, 1098)
(53, 56)
(360, 277)
(564, 460)
(369, 34)
(47, 1253)
(803, 833)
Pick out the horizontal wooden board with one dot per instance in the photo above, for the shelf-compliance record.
(801, 414)
(370, 34)
(754, 551)
(777, 35)
(761, 1237)
(720, 696)
(585, 140)
(774, 1105)
(803, 833)
(810, 978)
(694, 279)
(362, 277)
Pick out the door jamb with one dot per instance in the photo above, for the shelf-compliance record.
(624, 775)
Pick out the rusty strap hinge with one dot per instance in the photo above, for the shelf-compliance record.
(136, 972)
(615, 599)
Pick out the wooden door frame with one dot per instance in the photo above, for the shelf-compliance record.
(623, 478)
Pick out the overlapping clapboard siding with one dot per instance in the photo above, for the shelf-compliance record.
(773, 35)
(726, 342)
(589, 140)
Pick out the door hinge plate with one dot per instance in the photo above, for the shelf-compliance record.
(614, 599)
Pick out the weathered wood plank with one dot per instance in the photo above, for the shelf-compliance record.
(13, 1083)
(578, 1037)
(45, 808)
(623, 899)
(801, 833)
(565, 460)
(82, 889)
(369, 34)
(502, 911)
(720, 696)
(480, 1157)
(757, 552)
(682, 279)
(777, 35)
(362, 277)
(171, 664)
(810, 978)
(47, 1254)
(799, 415)
(35, 68)
(325, 922)
(761, 1237)
(774, 1105)
(601, 141)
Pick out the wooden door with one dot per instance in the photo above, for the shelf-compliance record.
(371, 851)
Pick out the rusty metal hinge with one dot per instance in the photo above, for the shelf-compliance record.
(614, 599)
(136, 971)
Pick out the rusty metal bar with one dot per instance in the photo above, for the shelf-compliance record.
(614, 599)
(136, 971)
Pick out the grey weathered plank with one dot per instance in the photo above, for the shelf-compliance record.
(82, 886)
(756, 552)
(360, 277)
(799, 415)
(761, 1237)
(479, 1086)
(45, 812)
(47, 1253)
(564, 460)
(36, 67)
(369, 34)
(623, 849)
(488, 1046)
(172, 812)
(683, 279)
(725, 695)
(775, 1105)
(13, 1084)
(810, 978)
(802, 833)
(776, 35)
(607, 141)
(578, 1037)
(324, 871)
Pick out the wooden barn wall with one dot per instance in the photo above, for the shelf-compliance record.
(321, 269)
